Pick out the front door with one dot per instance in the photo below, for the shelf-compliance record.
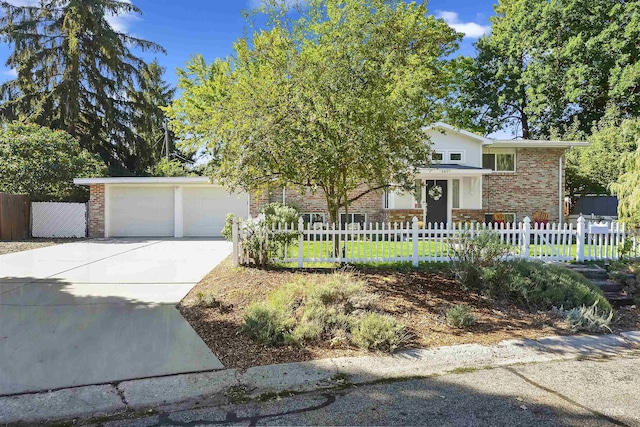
(437, 201)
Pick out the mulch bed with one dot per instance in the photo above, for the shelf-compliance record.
(419, 299)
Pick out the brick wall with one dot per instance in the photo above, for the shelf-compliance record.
(96, 210)
(467, 215)
(533, 187)
(308, 202)
(402, 215)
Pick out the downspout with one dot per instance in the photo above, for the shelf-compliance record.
(560, 192)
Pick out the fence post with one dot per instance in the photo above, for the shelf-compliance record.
(300, 242)
(580, 233)
(414, 236)
(526, 237)
(234, 234)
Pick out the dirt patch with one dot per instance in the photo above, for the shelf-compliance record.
(419, 299)
(25, 245)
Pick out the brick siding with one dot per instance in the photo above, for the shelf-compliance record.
(96, 210)
(308, 202)
(467, 215)
(533, 187)
(402, 215)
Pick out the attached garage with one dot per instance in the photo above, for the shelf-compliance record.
(160, 207)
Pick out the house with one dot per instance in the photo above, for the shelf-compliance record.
(470, 178)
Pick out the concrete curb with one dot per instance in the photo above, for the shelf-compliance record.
(231, 385)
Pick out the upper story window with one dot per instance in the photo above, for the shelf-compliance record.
(437, 156)
(500, 162)
(456, 156)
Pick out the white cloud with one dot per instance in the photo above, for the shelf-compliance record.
(121, 23)
(12, 73)
(471, 30)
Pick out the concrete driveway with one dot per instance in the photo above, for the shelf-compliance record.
(101, 311)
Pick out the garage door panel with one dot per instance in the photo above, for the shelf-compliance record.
(141, 211)
(204, 210)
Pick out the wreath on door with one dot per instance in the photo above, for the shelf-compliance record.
(435, 192)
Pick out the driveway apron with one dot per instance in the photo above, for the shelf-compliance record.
(101, 311)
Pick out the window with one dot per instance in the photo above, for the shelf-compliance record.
(312, 218)
(501, 162)
(505, 162)
(455, 156)
(418, 192)
(455, 191)
(354, 218)
(436, 156)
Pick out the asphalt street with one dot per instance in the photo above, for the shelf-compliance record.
(597, 392)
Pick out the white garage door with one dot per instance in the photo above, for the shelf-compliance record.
(204, 210)
(141, 211)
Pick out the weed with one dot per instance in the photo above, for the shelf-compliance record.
(379, 332)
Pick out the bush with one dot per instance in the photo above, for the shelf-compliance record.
(474, 254)
(589, 319)
(259, 242)
(331, 309)
(460, 316)
(546, 285)
(378, 332)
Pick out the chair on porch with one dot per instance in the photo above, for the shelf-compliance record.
(540, 219)
(499, 219)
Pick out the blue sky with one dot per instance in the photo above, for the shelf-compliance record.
(209, 27)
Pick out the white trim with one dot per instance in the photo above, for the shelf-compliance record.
(144, 180)
(178, 212)
(107, 211)
(560, 193)
(447, 126)
(529, 143)
(462, 156)
(451, 172)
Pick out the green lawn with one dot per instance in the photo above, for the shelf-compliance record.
(355, 250)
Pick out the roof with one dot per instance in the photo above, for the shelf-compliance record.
(144, 180)
(452, 166)
(505, 143)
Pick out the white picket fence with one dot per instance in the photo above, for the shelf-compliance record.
(408, 242)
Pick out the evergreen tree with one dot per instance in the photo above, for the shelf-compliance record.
(76, 73)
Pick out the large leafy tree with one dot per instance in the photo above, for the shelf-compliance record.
(551, 63)
(332, 100)
(75, 73)
(628, 190)
(595, 168)
(42, 163)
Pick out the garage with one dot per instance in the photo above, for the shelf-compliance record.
(141, 211)
(160, 207)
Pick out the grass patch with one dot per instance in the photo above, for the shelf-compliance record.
(336, 309)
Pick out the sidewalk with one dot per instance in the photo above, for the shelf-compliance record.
(231, 385)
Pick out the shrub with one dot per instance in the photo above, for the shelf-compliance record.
(546, 285)
(472, 253)
(310, 309)
(589, 319)
(378, 332)
(460, 316)
(258, 240)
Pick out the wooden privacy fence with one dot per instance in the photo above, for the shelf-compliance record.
(14, 216)
(409, 242)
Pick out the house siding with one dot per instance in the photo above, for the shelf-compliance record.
(96, 210)
(315, 202)
(532, 188)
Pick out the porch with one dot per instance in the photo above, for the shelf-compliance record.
(444, 193)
